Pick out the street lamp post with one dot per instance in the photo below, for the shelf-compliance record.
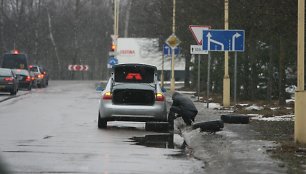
(300, 94)
(226, 80)
(172, 87)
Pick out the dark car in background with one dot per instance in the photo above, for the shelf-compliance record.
(15, 60)
(41, 75)
(24, 78)
(8, 81)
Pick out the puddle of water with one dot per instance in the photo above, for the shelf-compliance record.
(155, 140)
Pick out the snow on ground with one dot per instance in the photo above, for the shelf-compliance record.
(275, 118)
(254, 107)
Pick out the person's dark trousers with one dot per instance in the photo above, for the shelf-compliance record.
(186, 115)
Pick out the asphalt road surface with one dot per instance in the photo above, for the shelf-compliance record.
(54, 130)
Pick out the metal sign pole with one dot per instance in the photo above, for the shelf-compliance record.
(162, 72)
(199, 75)
(208, 79)
(235, 80)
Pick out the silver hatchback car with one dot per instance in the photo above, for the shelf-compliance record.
(132, 94)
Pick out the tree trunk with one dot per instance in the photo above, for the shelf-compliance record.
(270, 75)
(127, 18)
(54, 45)
(282, 75)
(2, 46)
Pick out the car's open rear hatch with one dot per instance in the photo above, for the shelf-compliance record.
(134, 73)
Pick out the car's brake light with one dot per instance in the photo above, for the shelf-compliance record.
(28, 78)
(159, 97)
(8, 79)
(41, 76)
(107, 96)
(132, 76)
(15, 52)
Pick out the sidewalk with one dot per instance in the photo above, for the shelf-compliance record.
(235, 149)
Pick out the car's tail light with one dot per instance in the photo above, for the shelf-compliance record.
(33, 78)
(107, 96)
(8, 79)
(40, 76)
(159, 97)
(28, 79)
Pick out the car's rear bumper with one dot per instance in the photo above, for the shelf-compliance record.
(24, 84)
(6, 87)
(156, 112)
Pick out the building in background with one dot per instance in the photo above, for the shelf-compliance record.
(148, 51)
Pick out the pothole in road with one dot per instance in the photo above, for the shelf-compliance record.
(167, 141)
(155, 140)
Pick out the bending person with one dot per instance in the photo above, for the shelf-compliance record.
(183, 107)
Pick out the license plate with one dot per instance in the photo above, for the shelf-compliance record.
(20, 78)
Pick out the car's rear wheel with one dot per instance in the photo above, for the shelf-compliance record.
(13, 92)
(30, 87)
(102, 123)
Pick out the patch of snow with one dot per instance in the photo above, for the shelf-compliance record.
(290, 100)
(274, 108)
(254, 115)
(275, 118)
(214, 105)
(178, 140)
(291, 89)
(254, 107)
(243, 104)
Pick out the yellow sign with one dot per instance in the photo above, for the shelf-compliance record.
(173, 41)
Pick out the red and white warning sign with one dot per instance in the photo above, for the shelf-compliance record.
(78, 67)
(197, 32)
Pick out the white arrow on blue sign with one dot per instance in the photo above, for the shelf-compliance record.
(223, 40)
(168, 50)
(112, 61)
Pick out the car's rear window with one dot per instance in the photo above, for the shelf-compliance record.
(34, 69)
(5, 72)
(15, 61)
(21, 72)
(134, 74)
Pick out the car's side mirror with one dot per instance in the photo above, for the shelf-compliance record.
(164, 89)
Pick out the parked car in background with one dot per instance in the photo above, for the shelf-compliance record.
(132, 94)
(41, 75)
(24, 78)
(8, 81)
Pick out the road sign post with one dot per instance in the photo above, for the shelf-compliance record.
(173, 42)
(199, 75)
(224, 40)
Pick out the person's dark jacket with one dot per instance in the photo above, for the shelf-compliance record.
(184, 103)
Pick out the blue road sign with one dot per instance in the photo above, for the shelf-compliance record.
(168, 50)
(112, 60)
(223, 40)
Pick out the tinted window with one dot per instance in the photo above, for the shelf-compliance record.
(34, 69)
(15, 61)
(134, 74)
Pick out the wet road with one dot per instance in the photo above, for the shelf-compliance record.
(54, 130)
